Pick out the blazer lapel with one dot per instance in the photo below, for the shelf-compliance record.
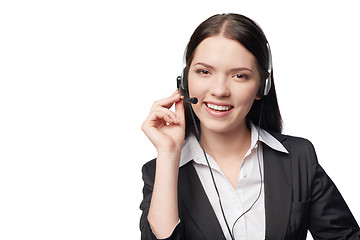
(194, 198)
(278, 192)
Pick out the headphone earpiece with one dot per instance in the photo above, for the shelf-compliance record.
(182, 83)
(266, 85)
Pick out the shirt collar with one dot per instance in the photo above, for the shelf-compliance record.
(192, 151)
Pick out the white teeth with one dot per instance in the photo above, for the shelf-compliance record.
(218, 108)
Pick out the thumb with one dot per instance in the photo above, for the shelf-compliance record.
(180, 111)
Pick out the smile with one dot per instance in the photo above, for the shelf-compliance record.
(218, 107)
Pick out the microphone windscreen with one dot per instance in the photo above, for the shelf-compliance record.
(192, 100)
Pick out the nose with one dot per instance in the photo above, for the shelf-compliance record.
(220, 87)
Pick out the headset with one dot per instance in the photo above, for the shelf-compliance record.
(182, 86)
(265, 86)
(182, 82)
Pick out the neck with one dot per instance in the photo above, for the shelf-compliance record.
(227, 146)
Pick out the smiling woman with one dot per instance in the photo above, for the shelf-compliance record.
(224, 170)
(231, 83)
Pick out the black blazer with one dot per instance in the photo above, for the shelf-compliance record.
(299, 196)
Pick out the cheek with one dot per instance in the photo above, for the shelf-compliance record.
(196, 88)
(246, 93)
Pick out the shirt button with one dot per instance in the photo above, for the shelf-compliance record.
(244, 175)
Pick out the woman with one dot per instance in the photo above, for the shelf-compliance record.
(239, 177)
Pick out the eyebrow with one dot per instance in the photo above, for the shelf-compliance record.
(205, 65)
(231, 70)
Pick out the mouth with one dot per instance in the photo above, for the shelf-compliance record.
(219, 108)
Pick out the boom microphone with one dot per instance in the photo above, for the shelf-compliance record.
(192, 100)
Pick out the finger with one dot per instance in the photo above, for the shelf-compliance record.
(175, 93)
(167, 102)
(160, 117)
(154, 121)
(170, 114)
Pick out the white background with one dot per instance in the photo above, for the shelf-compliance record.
(79, 77)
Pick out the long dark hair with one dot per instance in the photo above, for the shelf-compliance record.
(242, 29)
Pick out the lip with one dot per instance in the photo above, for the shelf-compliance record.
(215, 113)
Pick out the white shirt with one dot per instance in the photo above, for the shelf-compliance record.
(235, 202)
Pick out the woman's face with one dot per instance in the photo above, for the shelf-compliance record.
(224, 76)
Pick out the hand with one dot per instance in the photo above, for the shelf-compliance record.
(164, 128)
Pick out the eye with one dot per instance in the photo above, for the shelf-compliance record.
(203, 72)
(241, 76)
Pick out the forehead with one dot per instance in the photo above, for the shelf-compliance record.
(225, 52)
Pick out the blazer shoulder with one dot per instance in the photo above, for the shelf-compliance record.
(295, 144)
(290, 139)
